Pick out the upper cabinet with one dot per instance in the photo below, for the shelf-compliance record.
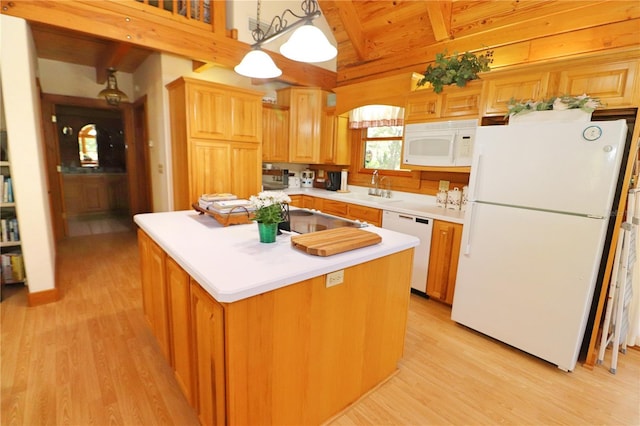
(334, 146)
(216, 131)
(612, 82)
(221, 112)
(275, 133)
(306, 106)
(518, 85)
(453, 103)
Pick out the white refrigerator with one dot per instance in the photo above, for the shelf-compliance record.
(540, 200)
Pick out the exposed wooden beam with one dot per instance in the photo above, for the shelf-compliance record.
(440, 18)
(352, 26)
(111, 58)
(124, 21)
(574, 33)
(199, 66)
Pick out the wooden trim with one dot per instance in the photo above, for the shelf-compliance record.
(43, 297)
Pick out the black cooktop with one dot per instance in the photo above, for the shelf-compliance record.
(304, 221)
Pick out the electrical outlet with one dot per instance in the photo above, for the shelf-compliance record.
(160, 168)
(335, 278)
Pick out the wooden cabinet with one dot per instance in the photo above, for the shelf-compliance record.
(216, 132)
(306, 107)
(498, 90)
(422, 105)
(443, 260)
(188, 326)
(296, 200)
(154, 291)
(275, 133)
(454, 102)
(612, 82)
(334, 147)
(208, 341)
(350, 211)
(222, 112)
(95, 193)
(181, 342)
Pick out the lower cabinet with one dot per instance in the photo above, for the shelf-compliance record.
(443, 260)
(95, 193)
(208, 334)
(188, 326)
(154, 290)
(351, 211)
(179, 308)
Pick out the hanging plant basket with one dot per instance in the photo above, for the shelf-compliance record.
(456, 69)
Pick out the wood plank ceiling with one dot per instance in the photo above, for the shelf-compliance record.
(376, 38)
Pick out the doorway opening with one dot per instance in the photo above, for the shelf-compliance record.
(97, 165)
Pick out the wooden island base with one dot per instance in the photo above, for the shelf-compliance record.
(295, 355)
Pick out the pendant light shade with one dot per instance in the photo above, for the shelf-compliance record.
(111, 93)
(257, 64)
(308, 44)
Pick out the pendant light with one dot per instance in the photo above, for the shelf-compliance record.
(307, 43)
(111, 93)
(257, 64)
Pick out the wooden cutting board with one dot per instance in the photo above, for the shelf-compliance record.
(334, 241)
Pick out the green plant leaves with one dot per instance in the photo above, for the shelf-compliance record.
(457, 69)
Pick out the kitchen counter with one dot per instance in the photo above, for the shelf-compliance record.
(403, 202)
(231, 264)
(259, 333)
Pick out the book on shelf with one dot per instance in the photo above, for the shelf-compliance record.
(12, 267)
(9, 229)
(7, 190)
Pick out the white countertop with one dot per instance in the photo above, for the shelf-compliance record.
(402, 202)
(231, 264)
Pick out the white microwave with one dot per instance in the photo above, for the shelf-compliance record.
(440, 144)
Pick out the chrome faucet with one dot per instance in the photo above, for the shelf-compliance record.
(375, 182)
(386, 191)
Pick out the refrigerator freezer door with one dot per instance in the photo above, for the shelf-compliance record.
(568, 167)
(527, 277)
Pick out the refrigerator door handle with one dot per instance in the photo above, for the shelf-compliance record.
(466, 244)
(473, 192)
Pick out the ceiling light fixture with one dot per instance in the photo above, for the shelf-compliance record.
(111, 93)
(307, 43)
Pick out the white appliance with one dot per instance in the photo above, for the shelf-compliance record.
(307, 177)
(445, 143)
(540, 199)
(420, 227)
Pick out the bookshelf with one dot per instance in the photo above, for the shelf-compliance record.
(11, 261)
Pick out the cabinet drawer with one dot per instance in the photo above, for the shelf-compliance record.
(337, 208)
(365, 214)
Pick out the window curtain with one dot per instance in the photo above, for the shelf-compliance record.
(376, 116)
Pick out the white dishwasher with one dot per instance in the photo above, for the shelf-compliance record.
(420, 227)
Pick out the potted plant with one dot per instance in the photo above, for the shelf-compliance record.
(456, 69)
(575, 108)
(269, 207)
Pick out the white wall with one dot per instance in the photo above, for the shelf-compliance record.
(62, 78)
(18, 71)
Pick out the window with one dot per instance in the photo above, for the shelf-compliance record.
(381, 134)
(382, 147)
(88, 146)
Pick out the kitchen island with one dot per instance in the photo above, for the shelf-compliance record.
(255, 333)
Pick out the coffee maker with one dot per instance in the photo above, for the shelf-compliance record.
(333, 183)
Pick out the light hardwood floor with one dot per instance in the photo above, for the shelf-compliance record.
(89, 359)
